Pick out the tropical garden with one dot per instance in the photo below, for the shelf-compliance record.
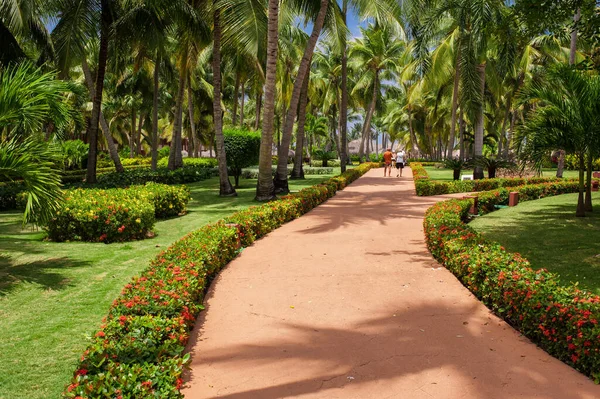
(135, 123)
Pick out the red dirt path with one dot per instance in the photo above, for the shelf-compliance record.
(346, 302)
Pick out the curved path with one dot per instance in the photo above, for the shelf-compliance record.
(346, 302)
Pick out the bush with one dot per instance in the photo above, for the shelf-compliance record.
(138, 351)
(186, 174)
(426, 187)
(96, 215)
(242, 148)
(324, 156)
(10, 194)
(561, 320)
(204, 162)
(308, 170)
(73, 153)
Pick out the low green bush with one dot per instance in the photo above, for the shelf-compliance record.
(205, 162)
(97, 215)
(308, 170)
(242, 148)
(186, 174)
(138, 351)
(561, 320)
(10, 195)
(426, 187)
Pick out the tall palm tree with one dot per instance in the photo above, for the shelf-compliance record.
(376, 55)
(265, 187)
(225, 187)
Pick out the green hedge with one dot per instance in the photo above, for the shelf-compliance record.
(186, 174)
(561, 320)
(138, 351)
(308, 170)
(242, 148)
(206, 162)
(96, 215)
(426, 187)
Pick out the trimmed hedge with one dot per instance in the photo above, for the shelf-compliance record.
(561, 320)
(96, 215)
(308, 170)
(205, 162)
(186, 174)
(426, 187)
(138, 351)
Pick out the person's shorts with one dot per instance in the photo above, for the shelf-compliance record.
(388, 164)
(399, 165)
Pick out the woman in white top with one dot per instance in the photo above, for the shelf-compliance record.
(400, 162)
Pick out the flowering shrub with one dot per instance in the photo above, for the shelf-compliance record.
(116, 214)
(427, 187)
(561, 320)
(138, 351)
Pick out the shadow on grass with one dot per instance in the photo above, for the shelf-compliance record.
(45, 273)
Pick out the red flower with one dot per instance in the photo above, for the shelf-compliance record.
(574, 358)
(100, 334)
(120, 229)
(81, 372)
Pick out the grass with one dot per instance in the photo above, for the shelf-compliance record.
(547, 233)
(447, 174)
(54, 295)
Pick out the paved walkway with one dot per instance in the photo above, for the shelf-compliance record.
(346, 302)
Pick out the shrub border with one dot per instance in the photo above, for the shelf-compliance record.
(425, 186)
(165, 300)
(561, 320)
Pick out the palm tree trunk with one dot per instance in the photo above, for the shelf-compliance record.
(175, 157)
(413, 137)
(367, 124)
(258, 106)
(580, 212)
(573, 49)
(155, 113)
(588, 184)
(132, 133)
(280, 181)
(138, 136)
(478, 172)
(572, 58)
(110, 142)
(225, 187)
(193, 153)
(265, 188)
(298, 172)
(97, 103)
(454, 104)
(242, 104)
(361, 148)
(344, 105)
(236, 94)
(461, 132)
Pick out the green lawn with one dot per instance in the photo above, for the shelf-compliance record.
(53, 295)
(447, 174)
(547, 233)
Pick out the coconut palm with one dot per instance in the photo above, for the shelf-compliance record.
(566, 115)
(376, 56)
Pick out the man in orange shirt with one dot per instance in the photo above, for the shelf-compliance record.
(387, 159)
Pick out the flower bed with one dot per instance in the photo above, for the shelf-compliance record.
(138, 351)
(561, 320)
(96, 215)
(426, 187)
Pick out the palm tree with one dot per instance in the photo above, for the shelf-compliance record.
(376, 56)
(566, 115)
(225, 187)
(265, 187)
(30, 99)
(280, 181)
(34, 164)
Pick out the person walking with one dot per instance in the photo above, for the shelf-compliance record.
(387, 159)
(400, 162)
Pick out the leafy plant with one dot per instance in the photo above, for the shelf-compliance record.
(73, 153)
(34, 164)
(324, 156)
(242, 149)
(456, 165)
